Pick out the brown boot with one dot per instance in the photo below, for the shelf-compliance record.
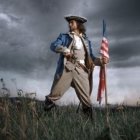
(48, 104)
(88, 111)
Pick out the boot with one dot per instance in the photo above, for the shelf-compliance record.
(88, 111)
(48, 104)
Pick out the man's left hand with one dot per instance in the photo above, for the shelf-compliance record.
(105, 60)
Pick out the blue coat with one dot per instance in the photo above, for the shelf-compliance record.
(64, 39)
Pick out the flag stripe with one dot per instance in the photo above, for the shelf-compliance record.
(104, 53)
(103, 47)
(101, 87)
(105, 40)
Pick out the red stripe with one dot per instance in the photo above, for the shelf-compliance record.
(104, 53)
(104, 47)
(105, 41)
(101, 87)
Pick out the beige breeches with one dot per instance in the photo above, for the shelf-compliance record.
(78, 79)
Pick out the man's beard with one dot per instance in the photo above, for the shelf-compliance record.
(70, 30)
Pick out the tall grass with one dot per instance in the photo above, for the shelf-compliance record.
(24, 119)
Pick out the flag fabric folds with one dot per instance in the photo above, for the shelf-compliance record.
(101, 87)
(104, 48)
(104, 52)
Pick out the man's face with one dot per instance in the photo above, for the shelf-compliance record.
(73, 25)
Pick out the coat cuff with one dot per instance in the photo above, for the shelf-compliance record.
(62, 49)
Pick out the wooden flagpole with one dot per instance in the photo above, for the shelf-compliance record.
(105, 78)
(104, 31)
(106, 98)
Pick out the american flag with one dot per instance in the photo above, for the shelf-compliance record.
(104, 52)
(104, 48)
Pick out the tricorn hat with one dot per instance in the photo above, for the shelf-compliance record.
(77, 18)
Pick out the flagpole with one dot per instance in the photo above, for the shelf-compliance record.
(105, 78)
(106, 100)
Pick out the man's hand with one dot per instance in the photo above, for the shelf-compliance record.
(105, 60)
(67, 53)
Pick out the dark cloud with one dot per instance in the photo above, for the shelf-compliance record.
(124, 50)
(28, 27)
(123, 30)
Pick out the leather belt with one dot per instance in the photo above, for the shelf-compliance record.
(74, 61)
(83, 67)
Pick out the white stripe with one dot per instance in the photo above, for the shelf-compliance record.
(104, 46)
(105, 40)
(104, 53)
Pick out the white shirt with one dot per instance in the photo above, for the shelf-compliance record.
(77, 41)
(77, 45)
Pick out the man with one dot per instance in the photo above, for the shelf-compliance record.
(75, 64)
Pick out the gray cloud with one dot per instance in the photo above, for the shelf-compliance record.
(123, 30)
(28, 27)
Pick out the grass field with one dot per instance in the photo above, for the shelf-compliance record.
(25, 119)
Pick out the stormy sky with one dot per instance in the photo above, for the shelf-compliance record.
(27, 27)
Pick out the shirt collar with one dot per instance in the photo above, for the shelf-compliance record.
(83, 35)
(77, 34)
